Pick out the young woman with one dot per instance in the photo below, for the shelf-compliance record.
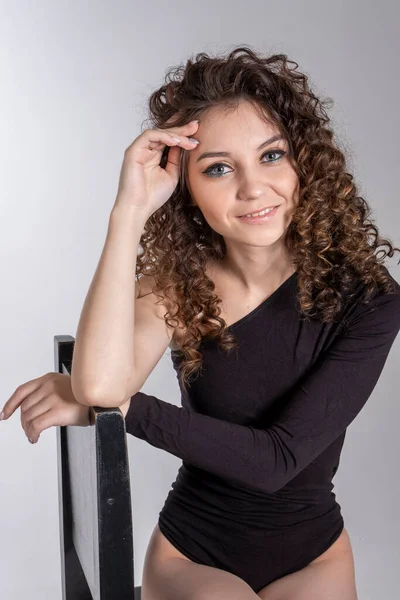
(298, 292)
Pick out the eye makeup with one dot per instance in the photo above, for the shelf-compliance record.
(209, 171)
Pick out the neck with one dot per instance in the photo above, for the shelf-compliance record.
(253, 272)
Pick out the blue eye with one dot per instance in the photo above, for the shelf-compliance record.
(210, 170)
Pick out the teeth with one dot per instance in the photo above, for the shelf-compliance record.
(263, 212)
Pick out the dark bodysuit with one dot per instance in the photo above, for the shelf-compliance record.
(261, 430)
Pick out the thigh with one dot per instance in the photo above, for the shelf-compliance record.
(330, 577)
(168, 575)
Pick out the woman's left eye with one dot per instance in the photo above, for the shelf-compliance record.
(210, 170)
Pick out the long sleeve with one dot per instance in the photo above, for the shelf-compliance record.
(325, 401)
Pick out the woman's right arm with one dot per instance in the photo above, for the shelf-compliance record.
(103, 358)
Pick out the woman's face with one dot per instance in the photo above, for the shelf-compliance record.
(247, 179)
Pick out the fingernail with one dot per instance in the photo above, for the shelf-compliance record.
(31, 441)
(2, 415)
(193, 140)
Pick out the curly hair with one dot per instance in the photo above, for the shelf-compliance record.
(331, 239)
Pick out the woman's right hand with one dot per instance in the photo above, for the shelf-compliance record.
(143, 183)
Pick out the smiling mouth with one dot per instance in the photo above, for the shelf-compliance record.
(258, 211)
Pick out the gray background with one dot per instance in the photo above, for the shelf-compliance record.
(75, 77)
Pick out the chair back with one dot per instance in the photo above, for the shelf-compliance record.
(96, 530)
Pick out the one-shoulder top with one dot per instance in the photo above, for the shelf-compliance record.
(265, 423)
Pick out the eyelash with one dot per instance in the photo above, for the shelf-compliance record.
(211, 167)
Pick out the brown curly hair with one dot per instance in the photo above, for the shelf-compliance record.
(331, 239)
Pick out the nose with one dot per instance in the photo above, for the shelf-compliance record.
(251, 187)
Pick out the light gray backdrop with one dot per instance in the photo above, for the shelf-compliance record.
(75, 77)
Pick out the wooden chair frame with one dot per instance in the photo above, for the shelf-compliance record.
(96, 529)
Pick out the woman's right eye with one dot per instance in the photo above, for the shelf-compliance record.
(210, 171)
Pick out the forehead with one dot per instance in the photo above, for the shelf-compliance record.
(240, 116)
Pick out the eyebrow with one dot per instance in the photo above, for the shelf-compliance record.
(272, 139)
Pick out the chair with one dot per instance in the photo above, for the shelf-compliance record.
(96, 531)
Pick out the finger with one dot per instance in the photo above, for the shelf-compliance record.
(182, 132)
(44, 421)
(173, 164)
(154, 143)
(35, 411)
(35, 398)
(21, 393)
(185, 131)
(153, 140)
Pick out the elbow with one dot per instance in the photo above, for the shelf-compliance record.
(103, 401)
(83, 401)
(100, 401)
(89, 401)
(78, 395)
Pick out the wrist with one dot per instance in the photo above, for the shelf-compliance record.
(123, 210)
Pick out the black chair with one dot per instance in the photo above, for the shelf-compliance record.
(96, 531)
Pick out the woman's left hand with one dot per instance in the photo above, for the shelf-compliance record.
(45, 402)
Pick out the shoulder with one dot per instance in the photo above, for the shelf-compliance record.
(146, 283)
(382, 309)
(145, 286)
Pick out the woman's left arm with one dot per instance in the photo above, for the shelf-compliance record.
(323, 404)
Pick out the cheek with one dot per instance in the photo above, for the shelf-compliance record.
(214, 213)
(290, 189)
(210, 211)
(296, 192)
(209, 201)
(196, 187)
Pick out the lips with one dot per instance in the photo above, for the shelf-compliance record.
(257, 211)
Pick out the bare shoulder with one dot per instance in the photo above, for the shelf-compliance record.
(145, 287)
(152, 334)
(159, 306)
